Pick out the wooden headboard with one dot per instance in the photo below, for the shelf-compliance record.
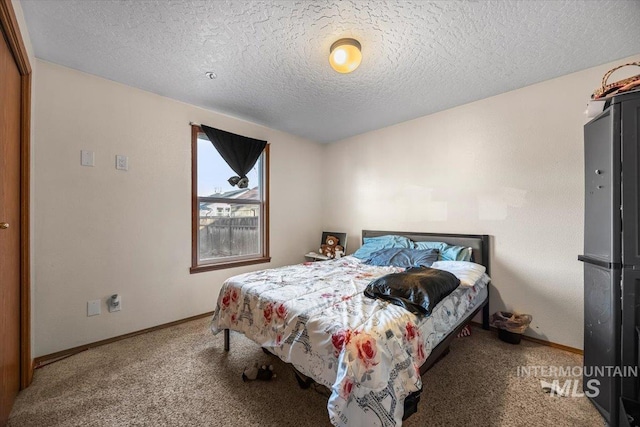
(478, 242)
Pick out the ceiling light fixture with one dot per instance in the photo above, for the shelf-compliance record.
(345, 55)
(210, 74)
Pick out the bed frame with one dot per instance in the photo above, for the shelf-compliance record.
(480, 245)
(481, 251)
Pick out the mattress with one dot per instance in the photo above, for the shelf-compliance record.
(368, 352)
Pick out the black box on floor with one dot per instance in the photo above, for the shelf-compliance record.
(510, 337)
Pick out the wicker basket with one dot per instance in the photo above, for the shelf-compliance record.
(624, 85)
(512, 322)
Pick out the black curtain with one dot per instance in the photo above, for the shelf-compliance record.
(240, 152)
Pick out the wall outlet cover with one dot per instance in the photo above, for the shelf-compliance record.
(114, 303)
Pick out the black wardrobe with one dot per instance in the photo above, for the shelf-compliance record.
(612, 258)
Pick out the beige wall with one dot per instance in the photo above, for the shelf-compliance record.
(510, 166)
(100, 231)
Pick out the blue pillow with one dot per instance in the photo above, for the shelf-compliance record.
(373, 244)
(447, 252)
(403, 257)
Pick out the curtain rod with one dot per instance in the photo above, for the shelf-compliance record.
(198, 124)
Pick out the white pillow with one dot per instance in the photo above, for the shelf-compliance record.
(468, 272)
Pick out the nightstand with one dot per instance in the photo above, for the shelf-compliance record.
(313, 256)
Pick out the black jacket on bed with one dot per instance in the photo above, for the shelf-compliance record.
(418, 289)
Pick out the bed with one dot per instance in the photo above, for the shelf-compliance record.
(368, 352)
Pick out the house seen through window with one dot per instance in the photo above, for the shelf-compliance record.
(230, 223)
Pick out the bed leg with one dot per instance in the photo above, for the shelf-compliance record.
(226, 340)
(485, 317)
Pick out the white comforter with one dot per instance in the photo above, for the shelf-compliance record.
(315, 316)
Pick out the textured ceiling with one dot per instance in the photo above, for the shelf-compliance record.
(271, 58)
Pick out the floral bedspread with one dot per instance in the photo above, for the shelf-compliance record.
(315, 316)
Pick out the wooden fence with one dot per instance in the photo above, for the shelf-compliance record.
(229, 236)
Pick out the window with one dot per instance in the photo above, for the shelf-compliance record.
(230, 225)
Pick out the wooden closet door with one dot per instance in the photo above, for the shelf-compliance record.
(10, 98)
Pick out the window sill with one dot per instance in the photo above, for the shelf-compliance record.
(210, 267)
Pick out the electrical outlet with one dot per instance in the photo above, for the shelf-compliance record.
(114, 303)
(93, 307)
(122, 163)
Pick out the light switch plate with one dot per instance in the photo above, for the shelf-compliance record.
(122, 163)
(87, 158)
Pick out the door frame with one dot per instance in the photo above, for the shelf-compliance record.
(9, 25)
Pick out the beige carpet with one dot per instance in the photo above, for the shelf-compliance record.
(181, 376)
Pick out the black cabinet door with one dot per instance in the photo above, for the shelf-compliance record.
(630, 181)
(602, 338)
(602, 187)
(629, 333)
